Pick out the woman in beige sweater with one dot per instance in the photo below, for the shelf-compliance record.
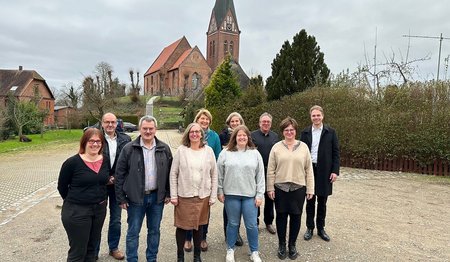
(290, 179)
(193, 187)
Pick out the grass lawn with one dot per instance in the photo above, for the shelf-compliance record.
(50, 138)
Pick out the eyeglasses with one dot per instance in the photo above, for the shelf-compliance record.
(289, 130)
(195, 132)
(148, 129)
(98, 142)
(110, 122)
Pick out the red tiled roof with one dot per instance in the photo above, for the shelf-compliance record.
(163, 56)
(181, 59)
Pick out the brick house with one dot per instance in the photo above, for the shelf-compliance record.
(26, 85)
(63, 115)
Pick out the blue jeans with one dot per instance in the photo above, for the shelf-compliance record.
(136, 212)
(237, 206)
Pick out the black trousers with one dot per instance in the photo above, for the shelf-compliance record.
(83, 225)
(321, 212)
(289, 205)
(268, 210)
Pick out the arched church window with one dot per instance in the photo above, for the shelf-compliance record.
(195, 81)
(210, 48)
(214, 49)
(231, 48)
(225, 48)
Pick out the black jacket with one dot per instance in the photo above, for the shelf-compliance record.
(122, 139)
(224, 136)
(327, 158)
(264, 143)
(130, 172)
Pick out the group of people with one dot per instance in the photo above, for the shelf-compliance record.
(239, 168)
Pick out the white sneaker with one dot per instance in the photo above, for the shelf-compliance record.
(255, 257)
(230, 255)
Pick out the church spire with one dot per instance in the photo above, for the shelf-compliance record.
(221, 9)
(223, 34)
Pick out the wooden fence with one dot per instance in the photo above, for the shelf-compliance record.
(437, 168)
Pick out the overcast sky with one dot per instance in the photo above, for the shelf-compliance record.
(64, 40)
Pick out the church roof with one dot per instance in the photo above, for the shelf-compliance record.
(181, 59)
(221, 8)
(163, 56)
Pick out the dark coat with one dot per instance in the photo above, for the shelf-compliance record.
(122, 139)
(130, 172)
(224, 137)
(327, 158)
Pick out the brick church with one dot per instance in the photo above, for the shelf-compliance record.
(183, 70)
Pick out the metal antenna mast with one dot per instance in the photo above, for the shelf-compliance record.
(440, 47)
(375, 60)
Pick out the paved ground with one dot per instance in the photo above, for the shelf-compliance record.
(373, 216)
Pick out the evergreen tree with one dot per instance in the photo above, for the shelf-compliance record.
(223, 87)
(296, 67)
(254, 95)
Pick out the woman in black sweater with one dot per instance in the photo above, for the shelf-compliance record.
(82, 185)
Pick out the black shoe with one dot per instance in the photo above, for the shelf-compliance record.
(239, 241)
(197, 252)
(180, 257)
(293, 254)
(322, 234)
(282, 251)
(308, 234)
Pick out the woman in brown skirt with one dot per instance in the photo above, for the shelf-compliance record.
(193, 187)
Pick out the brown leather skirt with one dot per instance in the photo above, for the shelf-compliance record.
(191, 212)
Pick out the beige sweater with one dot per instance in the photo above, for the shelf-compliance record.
(290, 167)
(181, 180)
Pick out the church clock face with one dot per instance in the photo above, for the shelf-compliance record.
(229, 26)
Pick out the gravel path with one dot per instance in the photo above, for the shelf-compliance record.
(372, 216)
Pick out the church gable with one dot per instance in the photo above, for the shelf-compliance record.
(212, 24)
(229, 23)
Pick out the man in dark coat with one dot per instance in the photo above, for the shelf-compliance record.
(142, 187)
(115, 141)
(264, 139)
(324, 146)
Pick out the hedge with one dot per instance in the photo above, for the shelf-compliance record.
(408, 122)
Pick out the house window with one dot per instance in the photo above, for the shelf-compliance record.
(225, 48)
(231, 48)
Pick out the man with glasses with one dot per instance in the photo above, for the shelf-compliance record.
(142, 187)
(115, 142)
(324, 146)
(264, 139)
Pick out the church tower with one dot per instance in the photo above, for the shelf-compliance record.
(223, 34)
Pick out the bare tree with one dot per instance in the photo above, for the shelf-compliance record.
(135, 88)
(69, 96)
(94, 100)
(393, 70)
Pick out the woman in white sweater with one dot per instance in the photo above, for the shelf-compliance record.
(241, 188)
(193, 187)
